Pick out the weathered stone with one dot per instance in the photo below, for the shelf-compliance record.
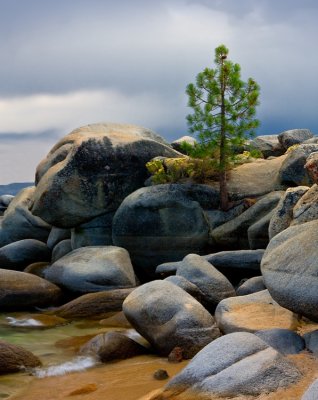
(292, 171)
(311, 392)
(257, 234)
(37, 268)
(268, 144)
(312, 166)
(167, 317)
(234, 234)
(283, 213)
(20, 254)
(163, 223)
(94, 305)
(253, 312)
(306, 208)
(283, 340)
(212, 283)
(294, 136)
(219, 217)
(93, 269)
(187, 286)
(112, 346)
(90, 171)
(19, 223)
(233, 365)
(61, 249)
(96, 232)
(20, 290)
(15, 358)
(289, 269)
(177, 144)
(167, 269)
(252, 285)
(57, 235)
(311, 340)
(237, 264)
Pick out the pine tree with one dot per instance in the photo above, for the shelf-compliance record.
(223, 112)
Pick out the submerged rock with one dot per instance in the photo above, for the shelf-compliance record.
(15, 358)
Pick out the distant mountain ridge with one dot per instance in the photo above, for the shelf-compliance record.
(14, 188)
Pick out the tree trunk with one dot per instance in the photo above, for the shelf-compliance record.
(224, 196)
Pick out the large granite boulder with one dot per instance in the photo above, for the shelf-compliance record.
(212, 283)
(15, 358)
(251, 285)
(5, 200)
(283, 213)
(19, 223)
(234, 234)
(292, 171)
(283, 340)
(20, 290)
(238, 364)
(93, 269)
(18, 255)
(164, 223)
(312, 166)
(289, 268)
(168, 317)
(253, 312)
(294, 136)
(90, 171)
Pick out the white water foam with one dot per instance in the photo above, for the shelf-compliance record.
(76, 365)
(23, 322)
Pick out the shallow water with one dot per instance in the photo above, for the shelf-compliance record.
(128, 379)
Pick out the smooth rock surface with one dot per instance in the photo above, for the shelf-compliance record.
(289, 268)
(61, 249)
(20, 290)
(163, 223)
(167, 317)
(251, 285)
(93, 269)
(212, 283)
(15, 358)
(306, 208)
(253, 312)
(283, 340)
(294, 136)
(311, 392)
(20, 254)
(90, 171)
(233, 365)
(187, 286)
(268, 144)
(311, 340)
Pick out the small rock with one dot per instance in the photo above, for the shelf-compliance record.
(176, 355)
(161, 374)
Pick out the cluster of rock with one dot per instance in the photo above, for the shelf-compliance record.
(85, 236)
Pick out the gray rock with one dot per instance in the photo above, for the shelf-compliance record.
(19, 290)
(311, 392)
(292, 171)
(166, 269)
(37, 268)
(20, 254)
(253, 312)
(306, 208)
(234, 234)
(96, 232)
(294, 136)
(237, 264)
(57, 235)
(233, 365)
(187, 286)
(15, 358)
(312, 166)
(252, 285)
(289, 269)
(167, 317)
(93, 269)
(219, 217)
(19, 223)
(257, 234)
(284, 341)
(212, 283)
(163, 223)
(61, 249)
(112, 346)
(93, 169)
(268, 144)
(283, 213)
(176, 144)
(311, 340)
(5, 200)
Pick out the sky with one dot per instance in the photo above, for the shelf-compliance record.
(68, 63)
